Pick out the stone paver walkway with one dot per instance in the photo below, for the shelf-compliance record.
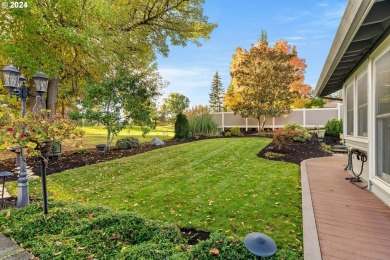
(11, 251)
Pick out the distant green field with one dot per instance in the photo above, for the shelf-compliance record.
(97, 134)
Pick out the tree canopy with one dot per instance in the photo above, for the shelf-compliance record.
(174, 104)
(118, 101)
(261, 80)
(74, 40)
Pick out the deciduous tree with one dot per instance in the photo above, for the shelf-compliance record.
(119, 101)
(261, 79)
(174, 104)
(74, 40)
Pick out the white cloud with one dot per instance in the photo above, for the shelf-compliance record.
(323, 4)
(295, 38)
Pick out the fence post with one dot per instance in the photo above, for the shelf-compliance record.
(246, 124)
(223, 121)
(273, 123)
(338, 111)
(304, 117)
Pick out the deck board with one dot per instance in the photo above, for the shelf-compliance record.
(351, 222)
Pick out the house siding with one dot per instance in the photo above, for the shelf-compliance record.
(368, 144)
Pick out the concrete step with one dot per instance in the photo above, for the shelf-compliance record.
(339, 146)
(340, 150)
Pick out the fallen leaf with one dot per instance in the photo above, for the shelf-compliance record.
(90, 216)
(58, 243)
(115, 236)
(214, 251)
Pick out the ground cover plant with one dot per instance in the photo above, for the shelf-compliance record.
(76, 231)
(212, 185)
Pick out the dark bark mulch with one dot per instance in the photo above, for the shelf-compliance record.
(296, 152)
(82, 157)
(194, 236)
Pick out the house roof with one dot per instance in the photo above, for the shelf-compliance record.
(364, 24)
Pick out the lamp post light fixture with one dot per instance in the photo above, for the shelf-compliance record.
(14, 81)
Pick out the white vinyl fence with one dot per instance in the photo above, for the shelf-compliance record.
(312, 117)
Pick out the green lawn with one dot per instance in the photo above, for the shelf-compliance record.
(216, 184)
(97, 134)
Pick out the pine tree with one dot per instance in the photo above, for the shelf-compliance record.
(216, 95)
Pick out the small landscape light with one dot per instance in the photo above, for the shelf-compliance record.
(260, 244)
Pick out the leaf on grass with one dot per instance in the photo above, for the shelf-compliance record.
(81, 248)
(90, 216)
(116, 236)
(58, 243)
(58, 253)
(214, 251)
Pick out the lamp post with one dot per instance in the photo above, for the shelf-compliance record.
(14, 81)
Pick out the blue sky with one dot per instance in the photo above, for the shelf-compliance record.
(310, 25)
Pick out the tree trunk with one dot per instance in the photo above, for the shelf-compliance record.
(108, 141)
(51, 99)
(261, 124)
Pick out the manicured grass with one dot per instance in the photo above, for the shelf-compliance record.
(97, 134)
(216, 184)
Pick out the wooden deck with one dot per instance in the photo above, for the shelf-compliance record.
(351, 223)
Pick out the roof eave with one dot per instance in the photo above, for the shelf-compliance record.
(353, 17)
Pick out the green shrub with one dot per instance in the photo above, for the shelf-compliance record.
(302, 133)
(127, 143)
(294, 127)
(272, 155)
(203, 125)
(235, 131)
(302, 136)
(227, 134)
(334, 127)
(283, 137)
(326, 148)
(182, 128)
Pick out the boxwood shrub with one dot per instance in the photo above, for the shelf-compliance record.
(127, 143)
(334, 127)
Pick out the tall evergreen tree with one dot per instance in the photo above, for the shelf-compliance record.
(216, 95)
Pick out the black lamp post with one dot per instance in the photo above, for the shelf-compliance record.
(14, 81)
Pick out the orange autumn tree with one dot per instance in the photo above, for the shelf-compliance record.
(261, 80)
(301, 91)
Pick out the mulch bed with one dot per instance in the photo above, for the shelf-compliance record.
(296, 152)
